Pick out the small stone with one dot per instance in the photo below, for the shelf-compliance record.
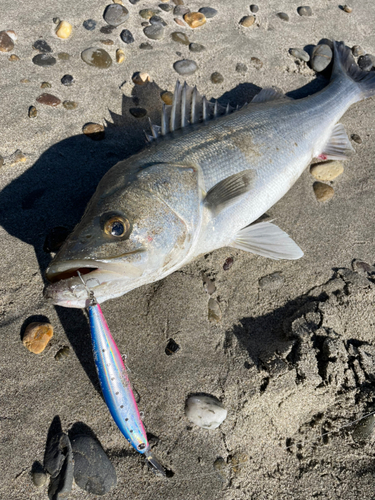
(196, 47)
(257, 63)
(145, 23)
(172, 347)
(42, 46)
(1, 161)
(99, 58)
(185, 67)
(44, 60)
(208, 285)
(146, 46)
(155, 32)
(13, 58)
(141, 78)
(93, 471)
(356, 138)
(181, 10)
(347, 9)
(217, 77)
(179, 22)
(62, 480)
(115, 14)
(254, 8)
(195, 19)
(64, 30)
(214, 311)
(63, 56)
(179, 37)
(178, 2)
(70, 105)
(241, 68)
(359, 266)
(48, 100)
(67, 80)
(148, 13)
(89, 24)
(95, 131)
(138, 112)
(120, 56)
(45, 85)
(271, 282)
(32, 112)
(39, 478)
(133, 2)
(120, 2)
(304, 11)
(37, 336)
(205, 411)
(228, 263)
(366, 62)
(300, 54)
(107, 42)
(16, 157)
(327, 171)
(56, 20)
(364, 429)
(221, 468)
(323, 192)
(321, 57)
(6, 42)
(25, 80)
(126, 36)
(167, 97)
(166, 7)
(107, 30)
(55, 238)
(283, 16)
(358, 51)
(157, 20)
(208, 12)
(247, 21)
(62, 353)
(12, 35)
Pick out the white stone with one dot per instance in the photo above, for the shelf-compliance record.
(205, 411)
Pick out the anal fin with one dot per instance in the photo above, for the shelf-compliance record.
(338, 146)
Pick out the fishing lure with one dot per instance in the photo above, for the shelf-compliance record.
(115, 384)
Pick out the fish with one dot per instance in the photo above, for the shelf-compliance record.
(206, 176)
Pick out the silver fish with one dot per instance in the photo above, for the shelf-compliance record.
(201, 186)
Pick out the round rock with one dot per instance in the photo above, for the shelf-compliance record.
(327, 171)
(166, 7)
(195, 19)
(99, 58)
(148, 13)
(247, 21)
(304, 11)
(300, 54)
(358, 51)
(181, 10)
(6, 42)
(167, 97)
(146, 46)
(323, 192)
(93, 472)
(126, 36)
(157, 20)
(283, 16)
(208, 12)
(179, 37)
(64, 30)
(321, 57)
(95, 131)
(89, 24)
(39, 478)
(138, 112)
(42, 46)
(356, 138)
(48, 100)
(254, 8)
(115, 14)
(32, 112)
(154, 32)
(63, 56)
(271, 282)
(217, 77)
(37, 336)
(44, 60)
(196, 47)
(185, 67)
(67, 80)
(205, 411)
(366, 62)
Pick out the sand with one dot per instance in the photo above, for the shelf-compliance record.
(288, 364)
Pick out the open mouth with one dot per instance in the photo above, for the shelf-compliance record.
(69, 273)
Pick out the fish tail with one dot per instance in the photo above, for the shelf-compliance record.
(344, 64)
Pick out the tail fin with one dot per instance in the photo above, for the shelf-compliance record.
(344, 63)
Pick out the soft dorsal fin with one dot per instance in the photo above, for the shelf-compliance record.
(269, 94)
(338, 146)
(188, 107)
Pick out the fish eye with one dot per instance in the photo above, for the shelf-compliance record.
(116, 226)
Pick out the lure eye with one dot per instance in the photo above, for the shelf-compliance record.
(141, 446)
(117, 226)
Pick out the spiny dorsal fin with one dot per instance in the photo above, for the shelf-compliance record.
(269, 94)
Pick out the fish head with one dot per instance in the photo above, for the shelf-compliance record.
(136, 229)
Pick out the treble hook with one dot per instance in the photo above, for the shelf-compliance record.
(90, 293)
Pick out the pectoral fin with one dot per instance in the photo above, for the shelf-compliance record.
(268, 240)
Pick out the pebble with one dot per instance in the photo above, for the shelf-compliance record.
(358, 51)
(195, 19)
(178, 2)
(56, 20)
(37, 336)
(364, 429)
(304, 11)
(42, 46)
(39, 478)
(44, 60)
(366, 62)
(48, 100)
(179, 22)
(257, 63)
(6, 42)
(63, 56)
(133, 2)
(271, 282)
(1, 161)
(155, 32)
(97, 57)
(356, 138)
(89, 24)
(181, 10)
(300, 54)
(145, 23)
(55, 238)
(362, 267)
(166, 7)
(167, 97)
(321, 57)
(115, 14)
(138, 112)
(45, 85)
(93, 472)
(64, 30)
(185, 67)
(214, 311)
(228, 263)
(16, 157)
(283, 16)
(196, 47)
(67, 80)
(13, 58)
(141, 78)
(157, 20)
(247, 21)
(12, 35)
(208, 12)
(62, 353)
(146, 46)
(32, 112)
(208, 285)
(148, 13)
(179, 37)
(327, 171)
(217, 77)
(120, 56)
(61, 484)
(205, 411)
(323, 192)
(107, 42)
(221, 468)
(172, 347)
(347, 9)
(107, 30)
(127, 36)
(95, 131)
(254, 8)
(120, 2)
